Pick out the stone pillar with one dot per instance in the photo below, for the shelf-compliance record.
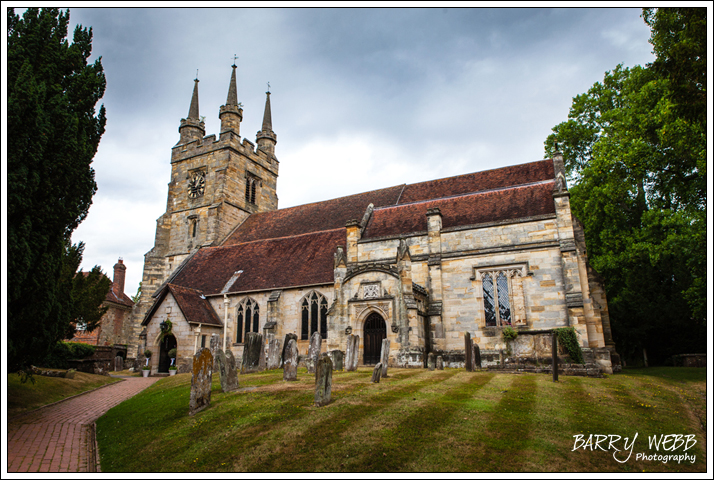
(354, 234)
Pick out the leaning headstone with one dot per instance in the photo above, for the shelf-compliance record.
(377, 373)
(313, 352)
(291, 361)
(323, 381)
(350, 353)
(201, 381)
(274, 352)
(431, 362)
(288, 337)
(227, 370)
(355, 348)
(384, 357)
(251, 353)
(439, 363)
(337, 358)
(118, 363)
(468, 351)
(477, 357)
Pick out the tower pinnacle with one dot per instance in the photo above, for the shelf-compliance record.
(192, 128)
(231, 114)
(266, 138)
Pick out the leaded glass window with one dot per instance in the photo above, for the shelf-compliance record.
(497, 292)
(248, 310)
(314, 315)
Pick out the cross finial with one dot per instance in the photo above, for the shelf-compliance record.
(235, 57)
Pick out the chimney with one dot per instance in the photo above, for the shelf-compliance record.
(119, 275)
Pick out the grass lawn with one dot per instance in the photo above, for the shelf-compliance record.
(413, 421)
(22, 397)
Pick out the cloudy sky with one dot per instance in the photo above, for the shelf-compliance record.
(361, 98)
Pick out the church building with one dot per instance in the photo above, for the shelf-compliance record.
(420, 264)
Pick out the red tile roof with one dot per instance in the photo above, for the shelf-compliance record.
(472, 209)
(266, 264)
(194, 305)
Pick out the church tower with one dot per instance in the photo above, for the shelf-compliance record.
(216, 183)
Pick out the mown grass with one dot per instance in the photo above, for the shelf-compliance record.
(415, 420)
(22, 397)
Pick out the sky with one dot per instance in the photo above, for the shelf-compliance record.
(361, 98)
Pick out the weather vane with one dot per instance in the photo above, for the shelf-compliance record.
(197, 74)
(268, 87)
(235, 57)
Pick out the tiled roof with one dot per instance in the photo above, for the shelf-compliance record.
(266, 264)
(194, 306)
(313, 217)
(478, 181)
(472, 209)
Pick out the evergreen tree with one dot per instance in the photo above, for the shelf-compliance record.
(635, 150)
(53, 134)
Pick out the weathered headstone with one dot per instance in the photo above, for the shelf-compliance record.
(439, 363)
(431, 362)
(290, 362)
(477, 356)
(251, 353)
(288, 337)
(313, 352)
(201, 381)
(323, 381)
(384, 357)
(274, 353)
(468, 351)
(227, 370)
(262, 360)
(554, 353)
(337, 357)
(350, 353)
(377, 373)
(118, 363)
(355, 349)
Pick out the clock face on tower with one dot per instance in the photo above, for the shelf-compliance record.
(196, 185)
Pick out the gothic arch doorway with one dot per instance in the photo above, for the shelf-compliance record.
(375, 330)
(167, 343)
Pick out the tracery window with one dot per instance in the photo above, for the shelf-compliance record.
(247, 318)
(503, 296)
(250, 187)
(314, 315)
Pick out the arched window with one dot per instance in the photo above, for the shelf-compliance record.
(496, 298)
(250, 185)
(247, 318)
(314, 315)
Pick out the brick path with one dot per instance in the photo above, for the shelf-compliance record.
(60, 438)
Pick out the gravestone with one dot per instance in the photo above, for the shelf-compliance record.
(355, 349)
(439, 363)
(274, 353)
(251, 353)
(323, 381)
(288, 337)
(227, 370)
(468, 351)
(118, 363)
(262, 359)
(477, 357)
(337, 358)
(350, 353)
(201, 381)
(290, 362)
(384, 357)
(377, 373)
(313, 352)
(431, 362)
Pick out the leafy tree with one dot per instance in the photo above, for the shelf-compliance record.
(635, 150)
(53, 134)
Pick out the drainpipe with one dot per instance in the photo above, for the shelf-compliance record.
(225, 319)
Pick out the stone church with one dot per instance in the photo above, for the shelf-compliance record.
(419, 264)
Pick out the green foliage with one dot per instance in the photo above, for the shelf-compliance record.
(52, 135)
(148, 353)
(136, 297)
(64, 351)
(167, 330)
(635, 152)
(172, 353)
(509, 333)
(569, 339)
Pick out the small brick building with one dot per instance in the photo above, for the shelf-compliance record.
(419, 264)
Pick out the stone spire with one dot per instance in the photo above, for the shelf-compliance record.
(266, 138)
(231, 114)
(192, 128)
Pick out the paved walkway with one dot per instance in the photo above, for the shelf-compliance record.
(60, 438)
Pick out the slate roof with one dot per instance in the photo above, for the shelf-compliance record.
(294, 247)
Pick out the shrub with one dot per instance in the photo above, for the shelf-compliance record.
(509, 334)
(64, 351)
(147, 353)
(172, 353)
(569, 339)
